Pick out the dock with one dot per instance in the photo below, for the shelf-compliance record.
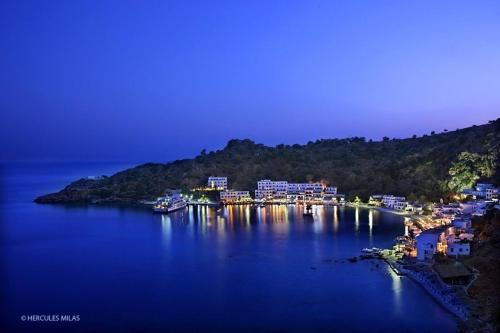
(388, 257)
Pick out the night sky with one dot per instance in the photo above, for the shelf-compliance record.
(160, 80)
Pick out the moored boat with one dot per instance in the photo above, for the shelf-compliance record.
(169, 204)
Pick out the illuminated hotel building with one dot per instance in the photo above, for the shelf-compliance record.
(231, 196)
(217, 183)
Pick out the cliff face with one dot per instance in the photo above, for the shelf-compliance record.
(415, 167)
(486, 259)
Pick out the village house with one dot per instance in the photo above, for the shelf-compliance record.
(482, 191)
(457, 247)
(462, 222)
(479, 208)
(427, 243)
(430, 242)
(447, 211)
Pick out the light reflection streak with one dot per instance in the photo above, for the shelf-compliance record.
(356, 220)
(247, 215)
(370, 225)
(166, 227)
(335, 219)
(396, 288)
(318, 216)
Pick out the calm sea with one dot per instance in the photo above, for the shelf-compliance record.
(240, 269)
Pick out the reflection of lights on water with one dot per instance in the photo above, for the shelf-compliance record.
(281, 218)
(229, 215)
(247, 215)
(203, 214)
(356, 219)
(221, 226)
(407, 232)
(335, 219)
(370, 224)
(396, 288)
(191, 213)
(166, 226)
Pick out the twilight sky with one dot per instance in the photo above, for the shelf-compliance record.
(160, 80)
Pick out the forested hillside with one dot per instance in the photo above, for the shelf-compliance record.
(424, 168)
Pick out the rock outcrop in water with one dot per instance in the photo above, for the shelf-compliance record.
(416, 167)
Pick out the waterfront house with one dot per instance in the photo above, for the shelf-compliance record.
(217, 183)
(467, 207)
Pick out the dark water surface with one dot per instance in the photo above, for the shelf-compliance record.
(240, 269)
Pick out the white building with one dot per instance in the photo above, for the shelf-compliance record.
(376, 200)
(390, 200)
(267, 184)
(400, 205)
(491, 192)
(447, 211)
(230, 196)
(427, 243)
(217, 183)
(479, 208)
(302, 187)
(331, 190)
(457, 247)
(414, 208)
(461, 222)
(269, 190)
(482, 191)
(467, 207)
(264, 194)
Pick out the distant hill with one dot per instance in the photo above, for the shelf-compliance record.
(416, 167)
